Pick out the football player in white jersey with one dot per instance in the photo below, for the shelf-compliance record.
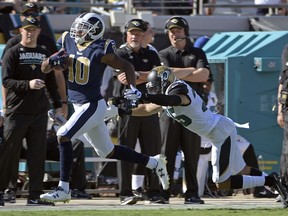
(183, 104)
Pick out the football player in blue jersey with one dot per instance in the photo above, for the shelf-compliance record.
(89, 54)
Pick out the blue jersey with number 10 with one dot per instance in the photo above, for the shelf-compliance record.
(85, 69)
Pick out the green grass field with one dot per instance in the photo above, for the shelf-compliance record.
(162, 212)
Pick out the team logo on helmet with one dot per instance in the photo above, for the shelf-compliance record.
(159, 79)
(87, 27)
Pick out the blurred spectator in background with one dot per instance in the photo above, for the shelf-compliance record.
(209, 11)
(16, 7)
(265, 11)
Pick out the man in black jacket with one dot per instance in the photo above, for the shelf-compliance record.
(189, 64)
(26, 108)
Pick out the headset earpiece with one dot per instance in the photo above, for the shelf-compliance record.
(166, 29)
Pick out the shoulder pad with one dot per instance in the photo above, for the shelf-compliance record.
(108, 43)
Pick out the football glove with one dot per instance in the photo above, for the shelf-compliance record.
(124, 106)
(60, 59)
(58, 119)
(132, 94)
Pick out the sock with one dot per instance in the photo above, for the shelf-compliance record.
(64, 185)
(122, 152)
(236, 182)
(252, 181)
(255, 172)
(269, 181)
(245, 181)
(66, 160)
(137, 181)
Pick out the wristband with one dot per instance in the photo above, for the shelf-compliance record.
(64, 102)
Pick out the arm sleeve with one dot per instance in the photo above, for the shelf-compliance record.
(163, 100)
(172, 99)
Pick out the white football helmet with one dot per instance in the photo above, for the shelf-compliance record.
(87, 27)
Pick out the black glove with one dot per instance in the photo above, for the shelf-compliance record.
(60, 59)
(124, 106)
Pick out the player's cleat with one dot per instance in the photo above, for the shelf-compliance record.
(280, 188)
(139, 192)
(161, 171)
(80, 194)
(9, 196)
(279, 198)
(58, 195)
(128, 200)
(39, 202)
(2, 203)
(193, 200)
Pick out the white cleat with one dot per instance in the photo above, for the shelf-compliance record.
(58, 195)
(161, 171)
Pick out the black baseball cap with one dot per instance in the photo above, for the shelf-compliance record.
(176, 22)
(30, 22)
(31, 7)
(137, 24)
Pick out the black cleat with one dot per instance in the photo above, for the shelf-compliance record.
(9, 196)
(193, 200)
(80, 194)
(2, 203)
(128, 200)
(38, 202)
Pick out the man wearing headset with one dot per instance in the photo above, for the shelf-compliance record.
(147, 128)
(189, 64)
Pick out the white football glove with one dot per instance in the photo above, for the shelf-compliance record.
(111, 112)
(57, 118)
(132, 94)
